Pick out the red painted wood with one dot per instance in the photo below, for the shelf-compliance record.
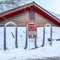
(47, 14)
(15, 12)
(27, 7)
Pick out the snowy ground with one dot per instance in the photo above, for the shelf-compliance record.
(21, 54)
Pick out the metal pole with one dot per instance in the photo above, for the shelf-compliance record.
(4, 38)
(26, 40)
(51, 36)
(36, 43)
(16, 43)
(43, 36)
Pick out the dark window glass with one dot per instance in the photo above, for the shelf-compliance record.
(31, 14)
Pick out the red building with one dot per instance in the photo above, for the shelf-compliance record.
(30, 12)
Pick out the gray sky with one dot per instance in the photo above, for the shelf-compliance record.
(52, 5)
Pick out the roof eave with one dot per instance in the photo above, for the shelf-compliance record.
(37, 8)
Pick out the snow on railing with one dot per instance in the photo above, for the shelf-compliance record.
(9, 36)
(12, 33)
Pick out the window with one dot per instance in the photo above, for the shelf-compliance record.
(32, 14)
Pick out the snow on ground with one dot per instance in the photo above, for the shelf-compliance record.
(20, 53)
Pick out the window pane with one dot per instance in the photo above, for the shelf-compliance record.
(31, 14)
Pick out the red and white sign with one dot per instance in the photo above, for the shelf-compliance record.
(32, 30)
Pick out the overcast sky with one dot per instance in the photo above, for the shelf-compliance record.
(52, 5)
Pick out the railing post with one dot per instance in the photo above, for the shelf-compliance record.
(4, 38)
(43, 37)
(49, 25)
(16, 44)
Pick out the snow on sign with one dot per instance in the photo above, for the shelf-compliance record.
(32, 30)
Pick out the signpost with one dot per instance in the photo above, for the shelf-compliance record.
(31, 33)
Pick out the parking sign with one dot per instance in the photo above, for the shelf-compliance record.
(32, 30)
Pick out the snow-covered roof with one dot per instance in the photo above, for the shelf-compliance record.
(6, 5)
